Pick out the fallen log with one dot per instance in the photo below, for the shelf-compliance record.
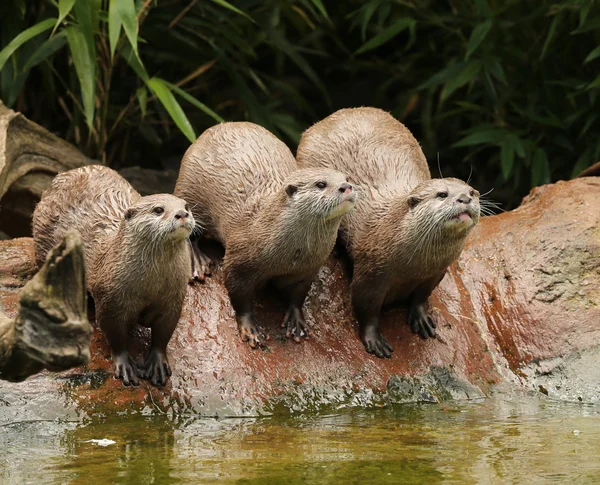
(51, 330)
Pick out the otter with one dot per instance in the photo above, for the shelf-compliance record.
(136, 254)
(278, 224)
(408, 227)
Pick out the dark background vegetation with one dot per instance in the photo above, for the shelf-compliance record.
(508, 89)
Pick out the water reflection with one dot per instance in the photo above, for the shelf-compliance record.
(496, 441)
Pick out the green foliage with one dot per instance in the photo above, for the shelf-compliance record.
(508, 88)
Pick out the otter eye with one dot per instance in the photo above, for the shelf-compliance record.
(158, 210)
(187, 207)
(442, 195)
(472, 193)
(321, 185)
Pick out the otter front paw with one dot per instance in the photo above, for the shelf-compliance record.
(156, 369)
(251, 332)
(375, 343)
(295, 325)
(420, 322)
(126, 369)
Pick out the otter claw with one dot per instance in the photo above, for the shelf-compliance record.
(421, 323)
(295, 325)
(252, 333)
(376, 344)
(156, 369)
(126, 369)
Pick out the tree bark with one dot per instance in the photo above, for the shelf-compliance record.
(30, 157)
(51, 330)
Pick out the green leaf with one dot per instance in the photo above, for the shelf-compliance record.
(467, 74)
(584, 161)
(369, 10)
(165, 96)
(227, 5)
(592, 55)
(190, 99)
(477, 36)
(85, 67)
(64, 7)
(83, 15)
(126, 12)
(441, 76)
(540, 169)
(23, 37)
(551, 33)
(484, 8)
(114, 26)
(45, 50)
(485, 136)
(498, 72)
(321, 7)
(594, 84)
(134, 62)
(142, 97)
(507, 158)
(387, 34)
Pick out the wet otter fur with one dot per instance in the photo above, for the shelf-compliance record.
(136, 254)
(407, 229)
(278, 224)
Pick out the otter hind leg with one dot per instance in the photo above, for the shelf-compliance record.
(241, 286)
(201, 263)
(294, 324)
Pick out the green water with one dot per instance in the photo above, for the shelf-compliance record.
(494, 441)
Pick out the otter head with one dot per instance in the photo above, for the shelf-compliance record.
(322, 193)
(159, 218)
(449, 204)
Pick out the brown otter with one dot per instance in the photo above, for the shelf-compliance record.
(408, 227)
(136, 253)
(277, 223)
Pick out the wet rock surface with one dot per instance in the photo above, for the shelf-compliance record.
(521, 306)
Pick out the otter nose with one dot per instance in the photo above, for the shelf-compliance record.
(345, 188)
(463, 199)
(181, 215)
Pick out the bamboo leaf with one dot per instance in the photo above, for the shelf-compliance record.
(592, 55)
(441, 76)
(387, 34)
(584, 161)
(64, 7)
(321, 8)
(190, 99)
(85, 67)
(540, 169)
(477, 37)
(369, 10)
(507, 158)
(142, 97)
(114, 26)
(493, 135)
(126, 12)
(468, 73)
(550, 35)
(45, 50)
(594, 84)
(165, 96)
(227, 5)
(134, 62)
(23, 37)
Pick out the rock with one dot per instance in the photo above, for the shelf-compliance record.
(521, 306)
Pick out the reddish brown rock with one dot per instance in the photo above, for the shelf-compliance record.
(522, 305)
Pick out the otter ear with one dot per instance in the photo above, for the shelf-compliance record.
(413, 200)
(291, 190)
(129, 213)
